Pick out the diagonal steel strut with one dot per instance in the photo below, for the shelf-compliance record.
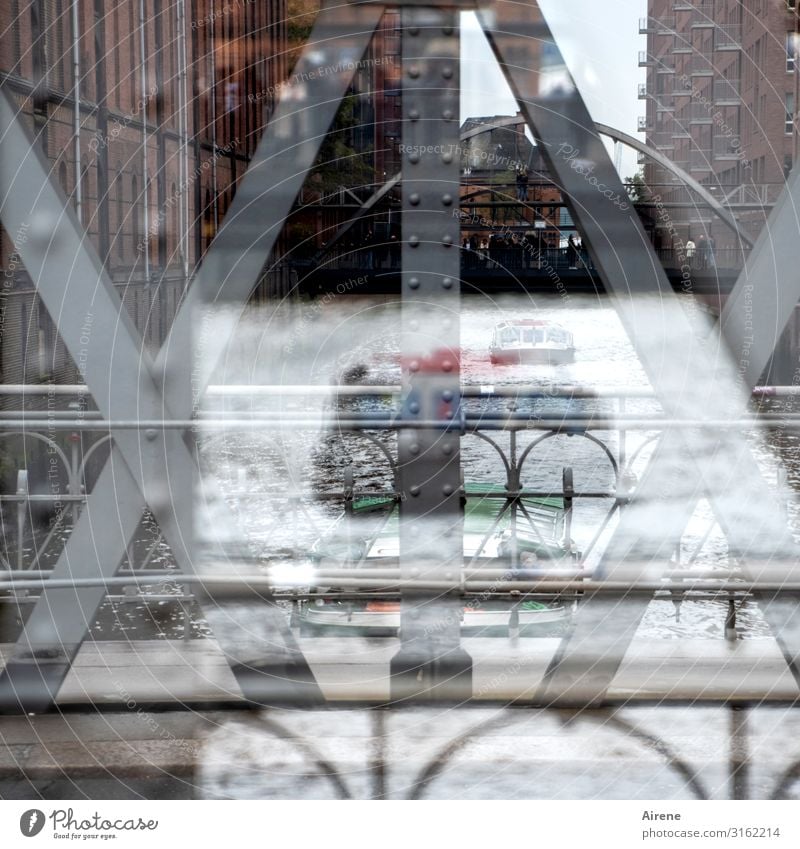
(670, 351)
(759, 307)
(157, 470)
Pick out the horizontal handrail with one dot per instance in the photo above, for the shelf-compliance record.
(377, 422)
(467, 390)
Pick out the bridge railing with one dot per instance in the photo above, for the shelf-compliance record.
(523, 256)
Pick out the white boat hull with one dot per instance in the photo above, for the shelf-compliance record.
(361, 620)
(553, 356)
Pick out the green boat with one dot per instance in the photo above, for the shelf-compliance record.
(527, 539)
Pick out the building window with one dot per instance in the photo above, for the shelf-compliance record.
(133, 41)
(16, 37)
(791, 51)
(173, 238)
(120, 233)
(789, 113)
(135, 216)
(117, 82)
(86, 217)
(59, 57)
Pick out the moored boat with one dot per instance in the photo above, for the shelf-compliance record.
(367, 538)
(531, 341)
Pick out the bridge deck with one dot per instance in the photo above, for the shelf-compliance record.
(354, 669)
(132, 751)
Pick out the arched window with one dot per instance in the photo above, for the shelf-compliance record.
(62, 176)
(208, 221)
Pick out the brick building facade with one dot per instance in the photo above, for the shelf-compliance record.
(721, 102)
(150, 138)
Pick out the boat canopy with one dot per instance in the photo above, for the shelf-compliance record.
(529, 332)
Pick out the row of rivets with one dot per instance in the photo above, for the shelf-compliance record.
(447, 489)
(447, 282)
(447, 394)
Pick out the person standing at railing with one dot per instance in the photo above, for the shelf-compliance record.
(572, 252)
(522, 184)
(690, 251)
(702, 253)
(712, 246)
(394, 252)
(368, 248)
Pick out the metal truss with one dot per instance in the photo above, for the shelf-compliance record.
(155, 467)
(689, 464)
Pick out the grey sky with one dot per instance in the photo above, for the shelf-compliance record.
(599, 40)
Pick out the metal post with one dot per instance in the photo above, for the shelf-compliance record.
(730, 621)
(22, 506)
(76, 107)
(514, 487)
(431, 663)
(213, 95)
(146, 175)
(739, 754)
(567, 487)
(74, 479)
(182, 236)
(74, 488)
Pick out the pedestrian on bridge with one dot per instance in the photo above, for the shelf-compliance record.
(572, 252)
(690, 250)
(522, 184)
(369, 240)
(702, 252)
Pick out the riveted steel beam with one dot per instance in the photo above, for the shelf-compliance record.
(430, 663)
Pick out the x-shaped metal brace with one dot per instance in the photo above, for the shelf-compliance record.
(157, 470)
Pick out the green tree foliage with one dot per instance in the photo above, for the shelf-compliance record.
(638, 190)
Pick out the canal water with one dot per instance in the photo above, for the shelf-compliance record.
(271, 478)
